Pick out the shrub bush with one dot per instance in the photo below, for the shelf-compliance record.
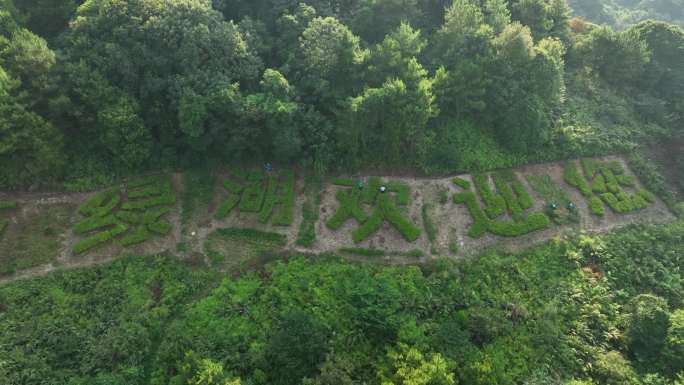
(91, 242)
(430, 229)
(371, 191)
(649, 174)
(6, 204)
(101, 204)
(480, 221)
(144, 181)
(253, 235)
(514, 209)
(575, 179)
(598, 185)
(307, 229)
(647, 195)
(611, 181)
(149, 191)
(524, 198)
(160, 227)
(626, 180)
(415, 253)
(270, 200)
(140, 235)
(394, 216)
(285, 214)
(346, 182)
(369, 227)
(590, 168)
(615, 167)
(232, 187)
(129, 217)
(596, 206)
(622, 203)
(94, 223)
(402, 190)
(227, 206)
(495, 204)
(349, 208)
(253, 197)
(462, 183)
(166, 199)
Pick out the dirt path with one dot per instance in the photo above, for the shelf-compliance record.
(451, 222)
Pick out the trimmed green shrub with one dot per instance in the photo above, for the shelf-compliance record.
(346, 182)
(168, 198)
(650, 175)
(349, 208)
(402, 190)
(622, 203)
(615, 167)
(430, 229)
(253, 235)
(253, 197)
(480, 220)
(129, 217)
(310, 215)
(371, 191)
(495, 204)
(443, 197)
(227, 206)
(140, 235)
(611, 181)
(590, 168)
(385, 210)
(363, 251)
(6, 204)
(270, 200)
(153, 215)
(285, 213)
(232, 187)
(524, 198)
(462, 183)
(91, 242)
(118, 229)
(369, 227)
(647, 195)
(94, 223)
(152, 190)
(626, 180)
(575, 179)
(101, 204)
(596, 206)
(534, 222)
(415, 253)
(514, 209)
(160, 227)
(548, 189)
(598, 185)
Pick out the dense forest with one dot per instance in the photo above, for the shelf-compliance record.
(623, 13)
(93, 91)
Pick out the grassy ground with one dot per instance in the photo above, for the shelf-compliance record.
(238, 249)
(36, 239)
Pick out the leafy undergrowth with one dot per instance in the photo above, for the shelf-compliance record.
(35, 239)
(601, 308)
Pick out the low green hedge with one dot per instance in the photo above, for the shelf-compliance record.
(6, 204)
(253, 197)
(590, 168)
(533, 222)
(140, 235)
(166, 199)
(91, 242)
(149, 191)
(647, 195)
(480, 221)
(129, 217)
(402, 190)
(386, 211)
(598, 185)
(371, 190)
(349, 208)
(346, 182)
(227, 206)
(615, 167)
(144, 181)
(270, 200)
(626, 180)
(611, 180)
(495, 204)
(430, 228)
(310, 214)
(596, 206)
(514, 209)
(232, 187)
(575, 179)
(94, 223)
(285, 214)
(160, 227)
(524, 197)
(253, 235)
(623, 203)
(462, 183)
(101, 204)
(369, 227)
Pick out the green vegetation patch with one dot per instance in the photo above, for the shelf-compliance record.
(573, 177)
(462, 183)
(136, 220)
(6, 204)
(429, 226)
(235, 247)
(495, 205)
(198, 186)
(310, 214)
(596, 206)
